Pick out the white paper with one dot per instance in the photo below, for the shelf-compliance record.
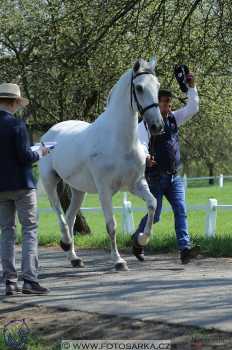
(49, 145)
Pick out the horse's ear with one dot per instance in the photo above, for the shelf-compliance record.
(153, 63)
(136, 66)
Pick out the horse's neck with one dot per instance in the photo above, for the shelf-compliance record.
(123, 118)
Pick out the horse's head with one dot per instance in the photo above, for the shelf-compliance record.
(144, 92)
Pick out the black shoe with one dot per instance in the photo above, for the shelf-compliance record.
(189, 253)
(12, 288)
(30, 287)
(137, 249)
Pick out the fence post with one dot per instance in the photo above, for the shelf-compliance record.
(221, 180)
(128, 226)
(211, 218)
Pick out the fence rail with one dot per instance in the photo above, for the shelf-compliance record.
(127, 211)
(127, 208)
(220, 179)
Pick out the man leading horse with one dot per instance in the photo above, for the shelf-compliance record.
(163, 164)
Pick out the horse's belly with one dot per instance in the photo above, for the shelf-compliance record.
(81, 180)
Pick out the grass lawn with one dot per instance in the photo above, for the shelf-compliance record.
(163, 238)
(32, 345)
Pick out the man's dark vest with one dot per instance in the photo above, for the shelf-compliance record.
(166, 149)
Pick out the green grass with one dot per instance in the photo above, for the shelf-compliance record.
(163, 238)
(2, 344)
(33, 344)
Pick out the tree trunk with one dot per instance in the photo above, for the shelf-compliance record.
(81, 226)
(211, 173)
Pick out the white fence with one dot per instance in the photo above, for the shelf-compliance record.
(210, 210)
(211, 218)
(127, 208)
(219, 178)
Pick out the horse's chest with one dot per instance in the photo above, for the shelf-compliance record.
(129, 171)
(119, 170)
(133, 162)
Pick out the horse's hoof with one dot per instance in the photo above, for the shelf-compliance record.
(121, 266)
(77, 263)
(65, 246)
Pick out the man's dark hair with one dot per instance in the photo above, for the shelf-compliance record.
(165, 93)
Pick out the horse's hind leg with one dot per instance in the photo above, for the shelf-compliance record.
(75, 204)
(106, 203)
(50, 181)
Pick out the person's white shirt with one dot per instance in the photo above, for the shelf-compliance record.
(181, 115)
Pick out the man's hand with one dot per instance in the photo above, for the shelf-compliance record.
(190, 80)
(150, 161)
(45, 151)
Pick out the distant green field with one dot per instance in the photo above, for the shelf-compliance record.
(163, 233)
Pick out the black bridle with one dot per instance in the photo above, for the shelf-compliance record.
(133, 94)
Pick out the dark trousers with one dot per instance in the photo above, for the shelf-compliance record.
(172, 188)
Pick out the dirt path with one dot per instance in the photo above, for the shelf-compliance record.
(158, 299)
(51, 325)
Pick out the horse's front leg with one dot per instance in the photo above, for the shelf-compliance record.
(105, 196)
(141, 189)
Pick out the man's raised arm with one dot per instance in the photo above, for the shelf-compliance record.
(192, 107)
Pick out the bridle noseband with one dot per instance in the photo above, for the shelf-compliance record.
(133, 94)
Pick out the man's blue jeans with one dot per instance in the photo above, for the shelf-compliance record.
(172, 188)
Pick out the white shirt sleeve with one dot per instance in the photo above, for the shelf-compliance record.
(143, 135)
(190, 109)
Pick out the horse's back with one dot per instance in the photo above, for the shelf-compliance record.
(69, 159)
(66, 127)
(63, 133)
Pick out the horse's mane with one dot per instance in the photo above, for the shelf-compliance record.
(123, 79)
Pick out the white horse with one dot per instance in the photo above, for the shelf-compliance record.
(105, 156)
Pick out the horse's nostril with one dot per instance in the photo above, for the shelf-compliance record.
(154, 129)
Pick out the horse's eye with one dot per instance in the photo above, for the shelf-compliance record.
(139, 89)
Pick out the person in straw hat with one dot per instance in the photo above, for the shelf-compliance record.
(17, 194)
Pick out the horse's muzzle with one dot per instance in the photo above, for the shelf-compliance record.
(156, 130)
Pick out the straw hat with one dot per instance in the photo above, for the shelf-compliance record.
(9, 90)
